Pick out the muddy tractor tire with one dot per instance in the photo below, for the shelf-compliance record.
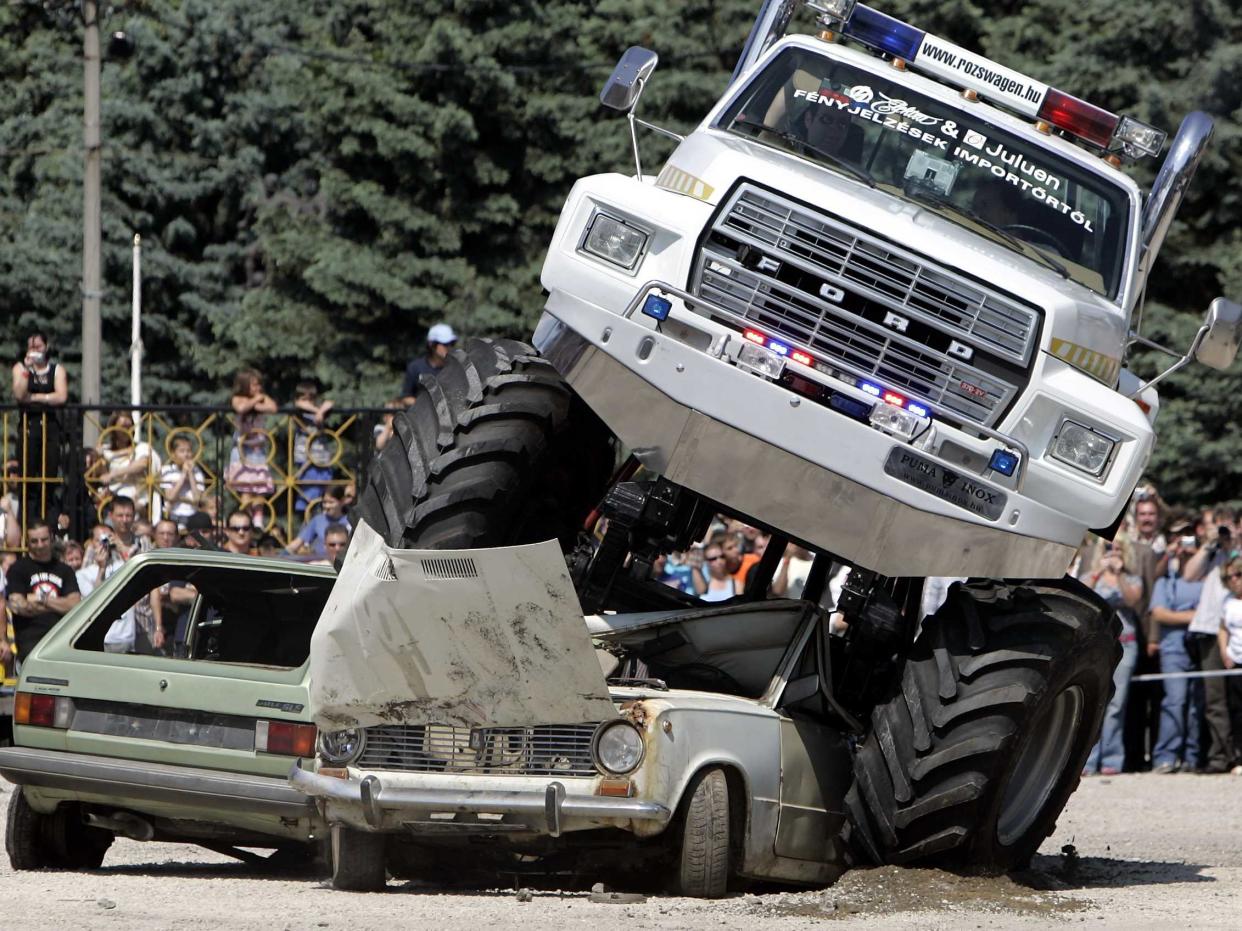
(495, 451)
(358, 860)
(970, 761)
(703, 860)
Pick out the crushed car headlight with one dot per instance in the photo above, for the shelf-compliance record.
(614, 240)
(617, 747)
(1079, 446)
(341, 747)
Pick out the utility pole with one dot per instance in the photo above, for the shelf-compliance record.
(91, 234)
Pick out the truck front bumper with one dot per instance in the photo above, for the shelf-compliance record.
(118, 781)
(699, 420)
(371, 803)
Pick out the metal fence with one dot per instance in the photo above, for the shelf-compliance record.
(275, 466)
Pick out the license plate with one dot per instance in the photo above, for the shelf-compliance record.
(958, 488)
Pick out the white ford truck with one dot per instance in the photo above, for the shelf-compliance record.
(878, 302)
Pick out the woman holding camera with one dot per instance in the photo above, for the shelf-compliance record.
(41, 387)
(1114, 580)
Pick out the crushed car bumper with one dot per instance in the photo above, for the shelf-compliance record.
(548, 811)
(152, 782)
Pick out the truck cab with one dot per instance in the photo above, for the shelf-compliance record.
(920, 293)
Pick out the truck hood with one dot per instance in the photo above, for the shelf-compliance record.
(471, 638)
(1076, 317)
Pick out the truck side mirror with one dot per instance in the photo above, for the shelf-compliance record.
(625, 85)
(1219, 346)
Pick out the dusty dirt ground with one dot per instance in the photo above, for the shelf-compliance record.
(1150, 850)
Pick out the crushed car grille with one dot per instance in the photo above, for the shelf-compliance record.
(865, 308)
(542, 750)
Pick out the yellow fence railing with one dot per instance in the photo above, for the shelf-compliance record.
(176, 460)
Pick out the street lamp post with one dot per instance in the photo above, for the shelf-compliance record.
(91, 234)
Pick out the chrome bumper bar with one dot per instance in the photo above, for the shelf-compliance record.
(541, 811)
(692, 301)
(152, 782)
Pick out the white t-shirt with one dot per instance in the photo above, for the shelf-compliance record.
(134, 486)
(1211, 603)
(1232, 622)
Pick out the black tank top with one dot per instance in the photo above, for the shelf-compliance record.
(45, 383)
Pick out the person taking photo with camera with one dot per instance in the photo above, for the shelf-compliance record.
(1218, 538)
(1173, 604)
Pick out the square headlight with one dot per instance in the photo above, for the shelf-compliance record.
(615, 241)
(1083, 448)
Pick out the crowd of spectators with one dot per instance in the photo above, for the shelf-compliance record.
(150, 495)
(1174, 575)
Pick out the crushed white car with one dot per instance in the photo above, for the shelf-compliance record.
(462, 708)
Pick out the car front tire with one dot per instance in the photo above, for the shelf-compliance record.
(358, 860)
(703, 869)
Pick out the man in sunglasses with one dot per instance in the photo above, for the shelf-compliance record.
(239, 534)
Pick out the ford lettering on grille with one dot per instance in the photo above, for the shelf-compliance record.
(866, 308)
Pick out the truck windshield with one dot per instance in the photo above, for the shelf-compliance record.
(1024, 197)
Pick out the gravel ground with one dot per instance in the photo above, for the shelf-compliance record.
(1145, 850)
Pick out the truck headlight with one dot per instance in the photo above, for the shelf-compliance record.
(1079, 446)
(617, 747)
(615, 241)
(341, 747)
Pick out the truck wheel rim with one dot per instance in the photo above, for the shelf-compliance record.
(1040, 766)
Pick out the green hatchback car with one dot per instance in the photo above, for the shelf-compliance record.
(194, 746)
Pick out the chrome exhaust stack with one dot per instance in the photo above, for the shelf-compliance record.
(1171, 183)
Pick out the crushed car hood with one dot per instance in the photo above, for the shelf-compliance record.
(487, 637)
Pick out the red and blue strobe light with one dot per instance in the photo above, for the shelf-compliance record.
(802, 357)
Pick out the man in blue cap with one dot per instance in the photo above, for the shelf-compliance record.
(440, 341)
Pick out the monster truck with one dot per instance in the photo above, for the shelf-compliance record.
(878, 302)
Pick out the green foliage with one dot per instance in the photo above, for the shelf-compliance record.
(316, 183)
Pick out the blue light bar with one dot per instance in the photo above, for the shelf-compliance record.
(873, 28)
(916, 409)
(869, 388)
(1003, 461)
(656, 306)
(859, 410)
(779, 348)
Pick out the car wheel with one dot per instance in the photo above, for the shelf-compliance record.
(973, 757)
(25, 838)
(495, 451)
(73, 844)
(358, 862)
(703, 870)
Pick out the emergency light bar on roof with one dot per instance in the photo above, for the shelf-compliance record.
(963, 68)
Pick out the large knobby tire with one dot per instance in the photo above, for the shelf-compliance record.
(359, 863)
(703, 867)
(495, 451)
(25, 838)
(971, 760)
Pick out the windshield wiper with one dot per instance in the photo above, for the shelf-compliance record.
(859, 173)
(923, 196)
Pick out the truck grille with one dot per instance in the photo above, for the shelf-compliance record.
(865, 308)
(542, 750)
